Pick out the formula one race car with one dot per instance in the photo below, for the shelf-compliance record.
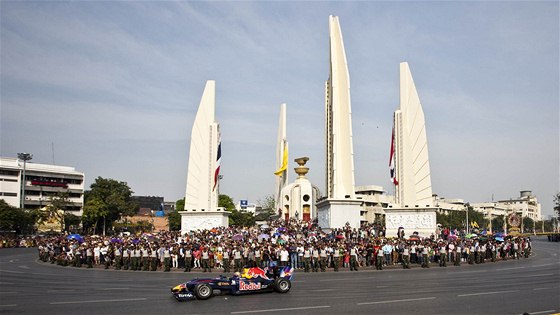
(251, 281)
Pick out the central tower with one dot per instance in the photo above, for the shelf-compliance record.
(341, 206)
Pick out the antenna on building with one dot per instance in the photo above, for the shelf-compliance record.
(52, 149)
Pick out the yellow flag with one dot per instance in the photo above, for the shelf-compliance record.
(284, 162)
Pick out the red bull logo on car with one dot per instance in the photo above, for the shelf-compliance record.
(249, 286)
(255, 272)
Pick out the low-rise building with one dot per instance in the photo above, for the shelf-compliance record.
(41, 183)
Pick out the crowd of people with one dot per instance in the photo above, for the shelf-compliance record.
(302, 245)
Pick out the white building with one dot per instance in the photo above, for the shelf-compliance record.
(42, 181)
(526, 205)
(375, 200)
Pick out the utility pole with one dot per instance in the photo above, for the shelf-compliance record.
(24, 157)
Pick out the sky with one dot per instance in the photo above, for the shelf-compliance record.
(112, 87)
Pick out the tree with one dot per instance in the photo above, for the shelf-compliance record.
(226, 202)
(268, 203)
(528, 224)
(15, 219)
(71, 221)
(107, 201)
(557, 205)
(239, 218)
(498, 223)
(180, 204)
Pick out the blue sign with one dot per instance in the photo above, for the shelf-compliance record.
(243, 203)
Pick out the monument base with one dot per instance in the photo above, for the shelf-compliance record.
(421, 220)
(336, 213)
(195, 220)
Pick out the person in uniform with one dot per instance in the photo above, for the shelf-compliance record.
(457, 251)
(405, 256)
(153, 258)
(306, 258)
(118, 257)
(188, 258)
(257, 255)
(237, 260)
(145, 258)
(323, 259)
(126, 258)
(206, 260)
(353, 258)
(336, 258)
(225, 259)
(425, 259)
(379, 259)
(89, 257)
(442, 255)
(315, 259)
(167, 259)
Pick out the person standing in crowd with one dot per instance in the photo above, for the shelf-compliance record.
(336, 258)
(89, 257)
(353, 258)
(387, 249)
(425, 259)
(405, 256)
(188, 258)
(314, 259)
(153, 258)
(166, 259)
(306, 258)
(206, 260)
(118, 257)
(323, 258)
(225, 258)
(457, 251)
(126, 258)
(258, 256)
(284, 256)
(145, 258)
(238, 263)
(379, 258)
(442, 255)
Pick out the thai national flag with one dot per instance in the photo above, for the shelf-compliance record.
(218, 161)
(392, 160)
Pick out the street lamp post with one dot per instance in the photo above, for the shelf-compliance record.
(24, 157)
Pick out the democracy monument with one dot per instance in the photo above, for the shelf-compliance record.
(412, 209)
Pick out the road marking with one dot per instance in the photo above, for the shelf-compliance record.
(536, 289)
(396, 301)
(485, 293)
(10, 271)
(97, 301)
(107, 289)
(8, 292)
(8, 305)
(542, 312)
(341, 279)
(539, 275)
(512, 268)
(61, 290)
(282, 309)
(323, 290)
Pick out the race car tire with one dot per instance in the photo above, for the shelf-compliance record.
(203, 291)
(282, 285)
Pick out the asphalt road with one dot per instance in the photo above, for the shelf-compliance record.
(510, 287)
